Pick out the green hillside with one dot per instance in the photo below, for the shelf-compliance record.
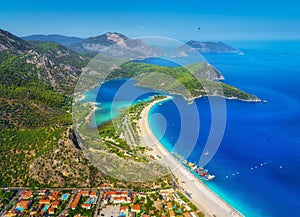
(35, 109)
(191, 81)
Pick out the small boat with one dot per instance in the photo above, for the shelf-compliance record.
(208, 177)
(206, 153)
(199, 169)
(191, 165)
(203, 173)
(194, 168)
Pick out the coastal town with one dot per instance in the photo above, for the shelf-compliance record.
(102, 201)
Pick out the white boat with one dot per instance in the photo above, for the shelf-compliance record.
(208, 177)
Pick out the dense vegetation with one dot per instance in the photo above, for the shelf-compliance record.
(33, 113)
(61, 55)
(180, 80)
(26, 101)
(14, 70)
(20, 147)
(5, 197)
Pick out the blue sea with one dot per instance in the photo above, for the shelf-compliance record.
(258, 162)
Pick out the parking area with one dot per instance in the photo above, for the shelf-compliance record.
(110, 211)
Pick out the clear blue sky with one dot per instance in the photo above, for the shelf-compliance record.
(218, 19)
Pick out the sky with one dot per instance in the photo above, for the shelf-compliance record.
(218, 19)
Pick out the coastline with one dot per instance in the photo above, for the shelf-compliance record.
(204, 198)
(190, 99)
(94, 108)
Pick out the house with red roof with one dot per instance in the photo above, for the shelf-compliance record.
(75, 202)
(51, 211)
(124, 208)
(55, 204)
(84, 193)
(86, 206)
(44, 201)
(93, 194)
(25, 204)
(136, 208)
(172, 214)
(26, 195)
(54, 195)
(120, 199)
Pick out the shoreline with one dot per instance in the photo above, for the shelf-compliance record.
(205, 199)
(189, 100)
(92, 111)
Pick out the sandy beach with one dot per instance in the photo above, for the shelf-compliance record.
(206, 200)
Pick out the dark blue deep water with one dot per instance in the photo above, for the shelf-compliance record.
(261, 136)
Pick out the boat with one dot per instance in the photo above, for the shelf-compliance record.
(198, 170)
(191, 165)
(208, 177)
(203, 173)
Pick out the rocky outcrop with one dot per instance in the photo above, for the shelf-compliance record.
(115, 44)
(50, 62)
(10, 42)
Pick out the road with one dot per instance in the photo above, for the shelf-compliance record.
(98, 204)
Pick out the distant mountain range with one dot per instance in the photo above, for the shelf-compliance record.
(101, 42)
(60, 39)
(93, 45)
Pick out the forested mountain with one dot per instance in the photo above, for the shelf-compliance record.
(35, 105)
(23, 62)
